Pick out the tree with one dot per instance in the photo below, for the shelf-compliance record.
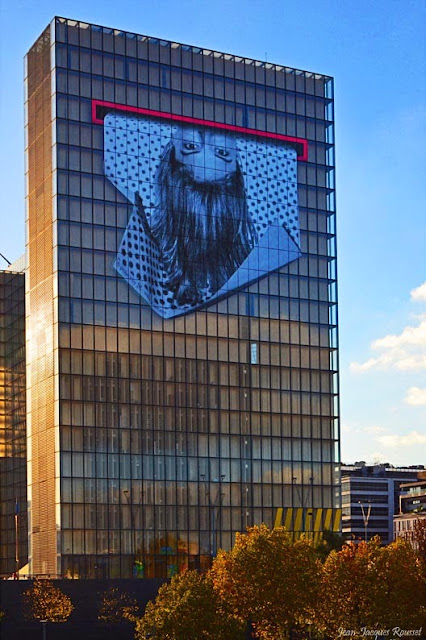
(44, 601)
(270, 580)
(419, 538)
(366, 585)
(117, 605)
(187, 607)
(330, 541)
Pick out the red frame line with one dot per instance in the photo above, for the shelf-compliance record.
(302, 157)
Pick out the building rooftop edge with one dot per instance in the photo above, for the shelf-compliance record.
(200, 49)
(19, 265)
(386, 466)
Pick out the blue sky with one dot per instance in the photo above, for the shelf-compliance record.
(376, 53)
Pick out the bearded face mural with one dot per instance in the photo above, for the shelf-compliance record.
(213, 211)
(201, 224)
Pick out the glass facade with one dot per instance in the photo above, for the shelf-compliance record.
(192, 380)
(13, 485)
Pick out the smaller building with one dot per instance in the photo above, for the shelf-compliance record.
(13, 460)
(370, 499)
(412, 507)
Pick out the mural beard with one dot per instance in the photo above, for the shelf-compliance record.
(203, 229)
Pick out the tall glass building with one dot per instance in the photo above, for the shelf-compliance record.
(181, 302)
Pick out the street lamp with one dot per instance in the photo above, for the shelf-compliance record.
(213, 504)
(365, 517)
(304, 498)
(16, 538)
(43, 626)
(132, 505)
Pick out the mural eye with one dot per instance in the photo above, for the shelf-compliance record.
(222, 153)
(190, 147)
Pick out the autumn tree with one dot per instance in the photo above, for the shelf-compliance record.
(116, 606)
(187, 607)
(366, 585)
(419, 538)
(44, 601)
(270, 580)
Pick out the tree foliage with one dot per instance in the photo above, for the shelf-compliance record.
(270, 580)
(330, 541)
(44, 601)
(187, 607)
(281, 587)
(366, 585)
(419, 531)
(117, 605)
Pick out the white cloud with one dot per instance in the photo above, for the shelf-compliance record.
(411, 336)
(374, 429)
(392, 441)
(376, 444)
(403, 352)
(419, 293)
(416, 397)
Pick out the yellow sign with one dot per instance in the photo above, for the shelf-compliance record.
(310, 522)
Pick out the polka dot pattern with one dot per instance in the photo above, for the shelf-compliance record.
(270, 179)
(133, 147)
(132, 151)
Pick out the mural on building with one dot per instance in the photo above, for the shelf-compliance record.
(213, 209)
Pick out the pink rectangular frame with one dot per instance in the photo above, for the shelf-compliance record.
(299, 142)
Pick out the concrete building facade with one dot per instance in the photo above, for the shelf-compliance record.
(412, 508)
(370, 499)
